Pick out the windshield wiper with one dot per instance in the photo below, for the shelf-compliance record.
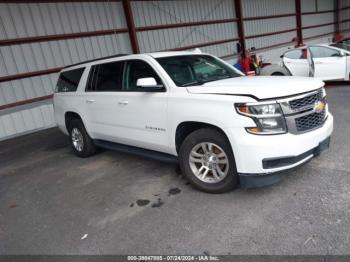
(196, 83)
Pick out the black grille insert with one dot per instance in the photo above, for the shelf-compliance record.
(306, 101)
(310, 121)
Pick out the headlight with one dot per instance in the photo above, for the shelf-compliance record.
(268, 118)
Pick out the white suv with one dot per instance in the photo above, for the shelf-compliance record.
(224, 129)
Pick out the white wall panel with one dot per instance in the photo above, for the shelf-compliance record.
(324, 5)
(24, 121)
(318, 31)
(255, 27)
(37, 19)
(185, 36)
(43, 55)
(308, 5)
(150, 13)
(253, 8)
(267, 41)
(169, 12)
(317, 19)
(41, 19)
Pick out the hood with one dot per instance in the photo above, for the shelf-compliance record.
(261, 87)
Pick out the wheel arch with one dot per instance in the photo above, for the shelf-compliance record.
(69, 116)
(187, 127)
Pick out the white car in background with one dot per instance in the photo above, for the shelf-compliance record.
(324, 62)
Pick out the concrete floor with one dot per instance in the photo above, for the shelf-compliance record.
(49, 199)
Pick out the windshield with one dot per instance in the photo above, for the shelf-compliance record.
(344, 45)
(196, 69)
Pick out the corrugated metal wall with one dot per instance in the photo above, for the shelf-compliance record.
(345, 16)
(23, 20)
(257, 8)
(151, 13)
(42, 19)
(317, 19)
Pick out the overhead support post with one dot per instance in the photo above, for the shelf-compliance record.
(240, 24)
(131, 26)
(336, 17)
(299, 22)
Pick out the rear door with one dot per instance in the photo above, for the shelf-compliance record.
(295, 61)
(103, 92)
(328, 63)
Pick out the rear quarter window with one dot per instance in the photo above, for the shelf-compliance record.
(68, 81)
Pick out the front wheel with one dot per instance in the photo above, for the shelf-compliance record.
(207, 161)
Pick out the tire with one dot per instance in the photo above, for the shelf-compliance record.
(277, 74)
(80, 141)
(192, 158)
(274, 70)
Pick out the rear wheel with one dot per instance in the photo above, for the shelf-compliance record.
(207, 161)
(277, 74)
(81, 142)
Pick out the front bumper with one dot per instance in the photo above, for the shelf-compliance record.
(259, 180)
(266, 155)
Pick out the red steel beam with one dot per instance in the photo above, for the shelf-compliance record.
(203, 44)
(271, 33)
(25, 102)
(336, 16)
(131, 25)
(318, 12)
(344, 21)
(52, 1)
(30, 74)
(275, 45)
(240, 24)
(319, 25)
(268, 17)
(317, 36)
(199, 23)
(299, 22)
(46, 38)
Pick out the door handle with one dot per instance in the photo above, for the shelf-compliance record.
(90, 101)
(123, 102)
(318, 63)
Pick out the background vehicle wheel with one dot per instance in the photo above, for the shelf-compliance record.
(277, 74)
(274, 70)
(207, 161)
(81, 142)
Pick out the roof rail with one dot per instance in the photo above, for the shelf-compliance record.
(93, 60)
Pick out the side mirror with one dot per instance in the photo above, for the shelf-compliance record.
(149, 84)
(341, 54)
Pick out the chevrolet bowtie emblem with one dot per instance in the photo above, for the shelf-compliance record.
(319, 106)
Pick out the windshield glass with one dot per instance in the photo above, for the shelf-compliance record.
(345, 46)
(195, 69)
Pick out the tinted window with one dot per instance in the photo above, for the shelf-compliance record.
(68, 81)
(342, 46)
(320, 51)
(137, 69)
(195, 69)
(295, 54)
(106, 77)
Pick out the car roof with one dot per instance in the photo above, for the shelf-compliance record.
(110, 58)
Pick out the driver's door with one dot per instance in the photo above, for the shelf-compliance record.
(142, 114)
(295, 61)
(327, 63)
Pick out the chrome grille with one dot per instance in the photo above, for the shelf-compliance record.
(310, 121)
(305, 101)
(300, 113)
